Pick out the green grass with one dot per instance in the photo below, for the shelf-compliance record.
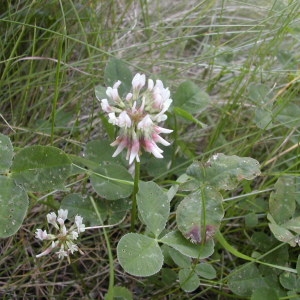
(53, 54)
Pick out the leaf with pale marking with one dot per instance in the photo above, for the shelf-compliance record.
(153, 205)
(199, 214)
(139, 255)
(41, 168)
(14, 204)
(224, 172)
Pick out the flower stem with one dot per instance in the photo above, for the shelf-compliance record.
(135, 190)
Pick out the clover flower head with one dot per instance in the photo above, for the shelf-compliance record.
(63, 240)
(137, 115)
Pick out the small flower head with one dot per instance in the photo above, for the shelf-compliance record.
(137, 116)
(63, 240)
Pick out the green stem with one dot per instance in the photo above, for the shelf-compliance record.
(110, 256)
(236, 253)
(135, 190)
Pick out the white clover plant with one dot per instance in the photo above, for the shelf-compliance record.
(63, 239)
(134, 112)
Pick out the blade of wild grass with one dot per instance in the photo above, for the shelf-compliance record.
(236, 253)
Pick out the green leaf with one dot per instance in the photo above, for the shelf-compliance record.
(246, 279)
(76, 204)
(167, 257)
(119, 293)
(189, 97)
(41, 168)
(139, 255)
(224, 172)
(290, 281)
(282, 206)
(179, 259)
(112, 212)
(262, 241)
(155, 167)
(199, 214)
(14, 204)
(153, 205)
(115, 70)
(188, 116)
(263, 118)
(251, 220)
(116, 210)
(206, 270)
(168, 276)
(253, 204)
(278, 257)
(62, 121)
(109, 128)
(282, 234)
(100, 92)
(6, 153)
(265, 293)
(176, 240)
(261, 96)
(282, 202)
(293, 224)
(289, 116)
(188, 280)
(174, 188)
(190, 185)
(100, 151)
(112, 181)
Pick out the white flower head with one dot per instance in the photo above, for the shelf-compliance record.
(64, 237)
(137, 116)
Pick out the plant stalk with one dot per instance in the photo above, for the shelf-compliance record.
(135, 190)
